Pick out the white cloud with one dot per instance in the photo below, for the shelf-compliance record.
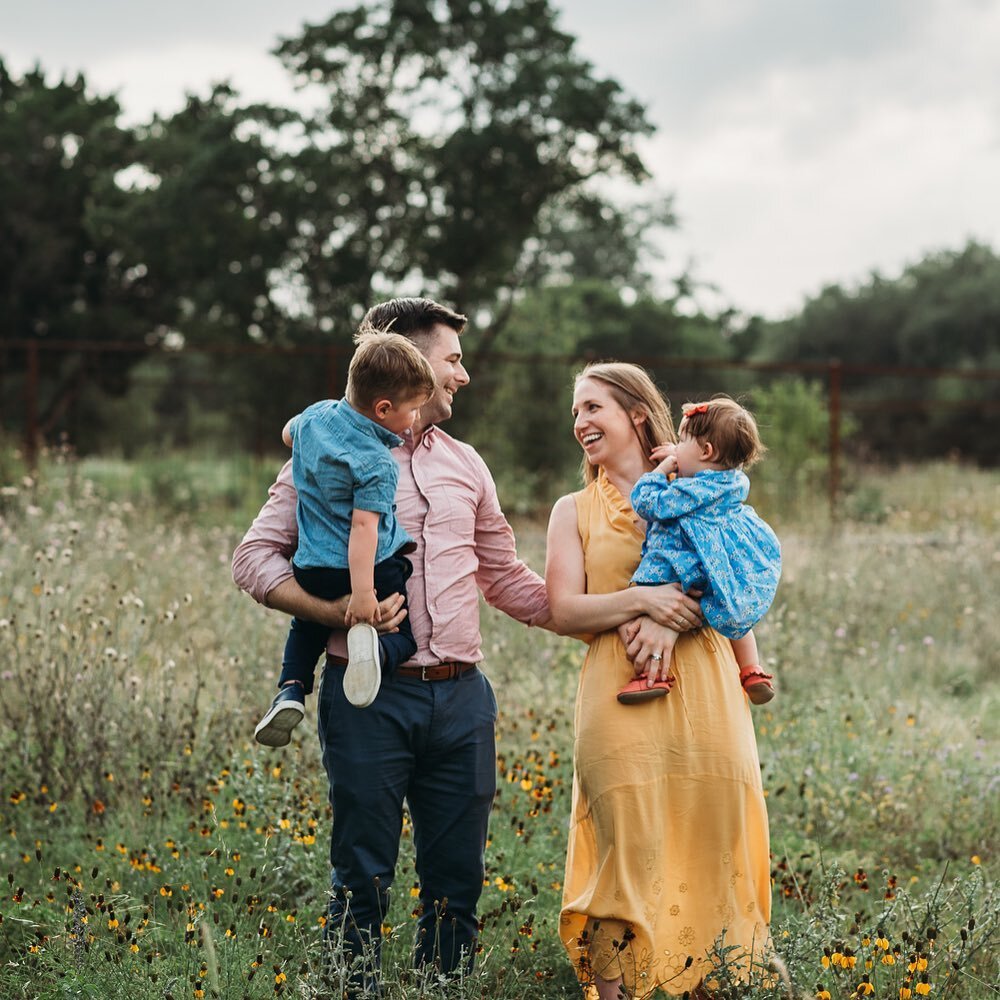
(156, 79)
(791, 174)
(769, 229)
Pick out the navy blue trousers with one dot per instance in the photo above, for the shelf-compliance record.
(307, 641)
(432, 744)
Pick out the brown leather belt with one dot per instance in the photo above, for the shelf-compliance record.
(433, 672)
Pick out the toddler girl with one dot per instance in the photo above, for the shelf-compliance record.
(702, 535)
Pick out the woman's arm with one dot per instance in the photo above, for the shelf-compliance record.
(576, 611)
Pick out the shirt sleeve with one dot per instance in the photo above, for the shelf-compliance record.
(375, 486)
(262, 560)
(507, 582)
(655, 498)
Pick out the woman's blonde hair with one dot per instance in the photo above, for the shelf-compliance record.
(633, 389)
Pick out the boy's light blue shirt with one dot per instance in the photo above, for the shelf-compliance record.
(341, 462)
(700, 534)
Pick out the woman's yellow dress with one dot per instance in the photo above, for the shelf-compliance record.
(668, 858)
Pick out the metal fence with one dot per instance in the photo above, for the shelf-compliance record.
(240, 396)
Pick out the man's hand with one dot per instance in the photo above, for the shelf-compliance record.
(391, 614)
(290, 598)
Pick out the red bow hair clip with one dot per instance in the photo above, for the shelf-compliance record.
(688, 409)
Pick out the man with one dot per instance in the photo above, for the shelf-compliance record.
(429, 735)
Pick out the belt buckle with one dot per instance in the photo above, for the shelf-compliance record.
(423, 674)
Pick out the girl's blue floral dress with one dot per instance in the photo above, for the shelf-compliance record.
(702, 535)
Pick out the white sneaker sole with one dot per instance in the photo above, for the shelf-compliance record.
(363, 675)
(275, 729)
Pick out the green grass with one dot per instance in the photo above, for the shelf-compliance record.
(151, 849)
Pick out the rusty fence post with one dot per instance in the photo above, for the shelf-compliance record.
(835, 373)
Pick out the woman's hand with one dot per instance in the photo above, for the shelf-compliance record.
(627, 631)
(671, 607)
(650, 649)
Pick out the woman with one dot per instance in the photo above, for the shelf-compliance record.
(668, 850)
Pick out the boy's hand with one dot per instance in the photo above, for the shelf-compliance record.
(362, 607)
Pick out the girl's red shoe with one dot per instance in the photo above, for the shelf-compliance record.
(638, 690)
(757, 684)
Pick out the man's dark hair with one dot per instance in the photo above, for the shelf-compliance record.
(413, 318)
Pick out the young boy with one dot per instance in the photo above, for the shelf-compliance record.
(349, 540)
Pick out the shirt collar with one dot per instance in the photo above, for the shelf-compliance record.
(368, 426)
(426, 438)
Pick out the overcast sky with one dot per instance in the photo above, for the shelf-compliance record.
(806, 142)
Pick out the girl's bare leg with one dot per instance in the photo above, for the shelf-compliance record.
(756, 683)
(746, 651)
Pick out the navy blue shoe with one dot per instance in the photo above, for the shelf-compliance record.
(286, 712)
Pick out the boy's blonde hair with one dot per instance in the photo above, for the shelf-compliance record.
(386, 366)
(728, 427)
(633, 389)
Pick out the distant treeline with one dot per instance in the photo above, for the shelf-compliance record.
(459, 152)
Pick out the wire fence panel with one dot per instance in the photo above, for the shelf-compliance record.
(122, 398)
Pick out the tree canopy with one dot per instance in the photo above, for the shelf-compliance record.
(450, 132)
(460, 149)
(455, 155)
(941, 312)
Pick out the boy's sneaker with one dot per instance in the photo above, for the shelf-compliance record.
(285, 713)
(364, 666)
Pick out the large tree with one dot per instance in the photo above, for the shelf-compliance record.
(207, 224)
(460, 152)
(204, 221)
(451, 128)
(62, 278)
(172, 233)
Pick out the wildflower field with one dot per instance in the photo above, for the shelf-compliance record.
(150, 849)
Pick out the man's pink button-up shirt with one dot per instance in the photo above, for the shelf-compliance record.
(447, 501)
